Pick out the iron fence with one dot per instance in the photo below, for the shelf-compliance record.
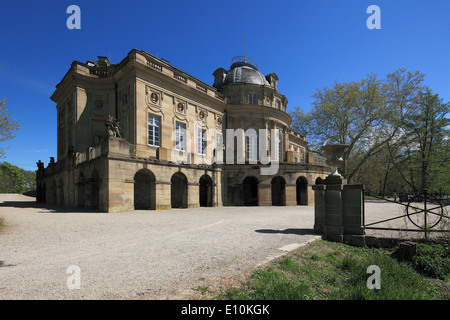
(426, 212)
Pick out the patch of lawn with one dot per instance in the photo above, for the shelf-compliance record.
(333, 271)
(270, 284)
(433, 259)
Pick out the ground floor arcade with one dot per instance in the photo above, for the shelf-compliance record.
(115, 185)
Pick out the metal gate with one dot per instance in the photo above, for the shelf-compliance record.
(427, 214)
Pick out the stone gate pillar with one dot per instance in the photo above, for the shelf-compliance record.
(339, 207)
(338, 211)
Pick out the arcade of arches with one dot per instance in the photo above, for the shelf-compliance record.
(175, 188)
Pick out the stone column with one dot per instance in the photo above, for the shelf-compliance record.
(264, 195)
(217, 191)
(163, 193)
(120, 195)
(120, 190)
(291, 194)
(319, 208)
(333, 228)
(193, 200)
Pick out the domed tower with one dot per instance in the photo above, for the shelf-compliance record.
(253, 101)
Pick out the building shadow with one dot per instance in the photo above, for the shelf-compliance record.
(296, 231)
(48, 207)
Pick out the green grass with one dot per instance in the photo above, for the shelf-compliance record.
(2, 225)
(332, 271)
(433, 260)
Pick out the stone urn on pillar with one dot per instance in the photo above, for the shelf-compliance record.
(335, 156)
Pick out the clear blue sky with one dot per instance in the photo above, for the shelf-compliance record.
(307, 43)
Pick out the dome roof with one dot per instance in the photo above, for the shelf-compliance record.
(243, 71)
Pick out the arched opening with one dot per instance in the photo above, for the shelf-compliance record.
(250, 191)
(206, 191)
(81, 190)
(54, 199)
(144, 190)
(95, 190)
(302, 191)
(278, 191)
(61, 192)
(179, 190)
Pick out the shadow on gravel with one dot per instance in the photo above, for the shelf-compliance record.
(2, 264)
(287, 231)
(35, 205)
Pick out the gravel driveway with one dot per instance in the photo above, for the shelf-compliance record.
(140, 254)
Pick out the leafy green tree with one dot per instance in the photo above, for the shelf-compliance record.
(8, 126)
(11, 178)
(364, 114)
(424, 145)
(29, 179)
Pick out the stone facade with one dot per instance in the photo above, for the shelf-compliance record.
(141, 134)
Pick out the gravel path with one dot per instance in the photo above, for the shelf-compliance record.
(141, 254)
(148, 254)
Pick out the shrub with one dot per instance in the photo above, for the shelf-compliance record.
(433, 260)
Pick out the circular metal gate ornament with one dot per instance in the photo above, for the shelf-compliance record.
(413, 208)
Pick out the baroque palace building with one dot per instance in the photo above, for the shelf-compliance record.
(143, 134)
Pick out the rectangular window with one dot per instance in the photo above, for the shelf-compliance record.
(252, 98)
(154, 130)
(278, 104)
(218, 148)
(252, 146)
(180, 136)
(219, 140)
(201, 141)
(278, 146)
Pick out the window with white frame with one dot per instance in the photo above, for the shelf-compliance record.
(218, 148)
(219, 140)
(201, 141)
(180, 136)
(252, 98)
(278, 145)
(252, 145)
(154, 130)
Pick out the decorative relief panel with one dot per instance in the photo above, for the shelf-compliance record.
(202, 114)
(153, 97)
(99, 105)
(219, 122)
(180, 108)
